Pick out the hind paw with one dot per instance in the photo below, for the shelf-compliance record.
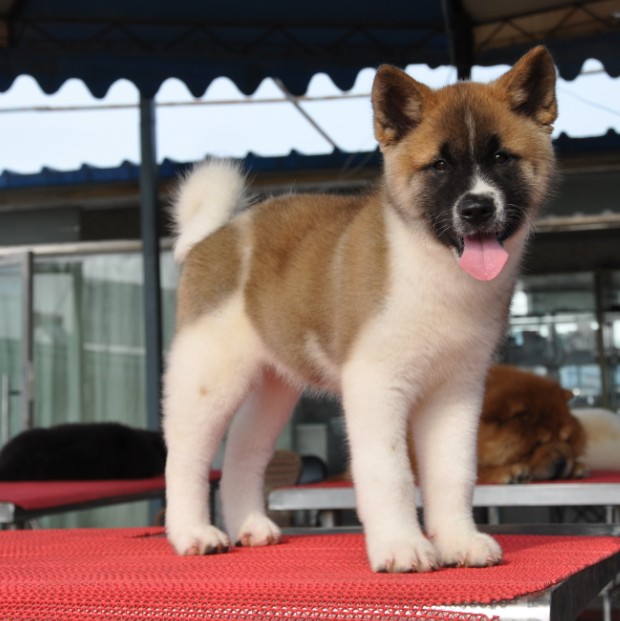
(258, 530)
(410, 554)
(199, 540)
(472, 550)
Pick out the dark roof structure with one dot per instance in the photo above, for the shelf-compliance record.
(101, 41)
(565, 146)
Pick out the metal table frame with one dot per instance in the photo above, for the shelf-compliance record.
(330, 499)
(14, 515)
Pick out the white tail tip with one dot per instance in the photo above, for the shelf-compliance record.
(205, 200)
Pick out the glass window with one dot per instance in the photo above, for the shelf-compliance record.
(559, 326)
(89, 339)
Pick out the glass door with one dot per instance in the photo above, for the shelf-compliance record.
(16, 344)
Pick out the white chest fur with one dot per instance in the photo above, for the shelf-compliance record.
(435, 317)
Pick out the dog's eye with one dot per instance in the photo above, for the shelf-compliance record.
(501, 158)
(440, 165)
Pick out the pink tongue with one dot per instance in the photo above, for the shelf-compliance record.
(483, 257)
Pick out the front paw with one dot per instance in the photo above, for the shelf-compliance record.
(408, 554)
(519, 473)
(506, 474)
(580, 470)
(472, 550)
(203, 539)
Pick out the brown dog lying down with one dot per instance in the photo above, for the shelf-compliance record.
(527, 431)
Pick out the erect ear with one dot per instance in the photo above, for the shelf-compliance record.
(515, 408)
(530, 87)
(502, 409)
(397, 102)
(568, 394)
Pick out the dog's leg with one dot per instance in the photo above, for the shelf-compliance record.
(376, 415)
(211, 367)
(444, 433)
(249, 447)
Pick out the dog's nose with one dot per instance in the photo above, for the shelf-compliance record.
(558, 469)
(476, 209)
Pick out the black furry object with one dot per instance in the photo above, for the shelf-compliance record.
(83, 452)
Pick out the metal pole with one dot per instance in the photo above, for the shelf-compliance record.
(149, 224)
(75, 348)
(459, 33)
(27, 343)
(599, 284)
(5, 411)
(295, 101)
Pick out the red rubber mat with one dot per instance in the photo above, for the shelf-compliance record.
(133, 574)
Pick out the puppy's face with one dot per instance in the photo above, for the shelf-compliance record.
(472, 161)
(527, 428)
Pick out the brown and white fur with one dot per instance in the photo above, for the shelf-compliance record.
(363, 297)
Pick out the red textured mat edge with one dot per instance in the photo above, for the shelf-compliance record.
(133, 574)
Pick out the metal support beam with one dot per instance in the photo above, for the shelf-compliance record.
(295, 101)
(600, 283)
(27, 418)
(458, 27)
(149, 225)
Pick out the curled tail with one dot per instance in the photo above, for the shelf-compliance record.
(205, 200)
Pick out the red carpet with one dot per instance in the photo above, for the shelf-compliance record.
(133, 574)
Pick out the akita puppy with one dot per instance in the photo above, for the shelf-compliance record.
(395, 300)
